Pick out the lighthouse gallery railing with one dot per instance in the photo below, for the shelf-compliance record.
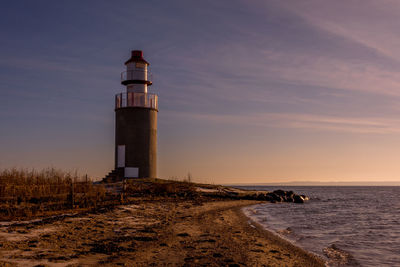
(132, 99)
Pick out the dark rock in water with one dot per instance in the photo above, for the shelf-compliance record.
(274, 197)
(279, 192)
(289, 196)
(298, 199)
(305, 197)
(252, 196)
(268, 197)
(260, 196)
(289, 199)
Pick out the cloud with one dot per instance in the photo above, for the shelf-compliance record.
(372, 23)
(310, 122)
(335, 45)
(338, 74)
(54, 64)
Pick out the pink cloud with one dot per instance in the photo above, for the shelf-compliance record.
(370, 125)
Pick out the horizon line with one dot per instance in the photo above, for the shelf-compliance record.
(316, 183)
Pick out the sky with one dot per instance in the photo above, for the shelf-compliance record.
(250, 91)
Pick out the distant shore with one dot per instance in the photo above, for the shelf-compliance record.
(156, 232)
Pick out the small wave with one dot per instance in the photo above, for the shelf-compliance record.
(339, 257)
(252, 211)
(290, 235)
(286, 231)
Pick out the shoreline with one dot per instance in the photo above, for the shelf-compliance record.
(162, 232)
(279, 239)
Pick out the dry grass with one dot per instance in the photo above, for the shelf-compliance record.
(160, 187)
(25, 193)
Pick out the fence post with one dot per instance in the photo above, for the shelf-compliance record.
(72, 194)
(123, 190)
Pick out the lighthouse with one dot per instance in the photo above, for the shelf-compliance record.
(135, 123)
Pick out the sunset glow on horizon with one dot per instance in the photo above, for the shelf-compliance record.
(249, 91)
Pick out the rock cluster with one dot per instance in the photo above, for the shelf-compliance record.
(235, 193)
(281, 196)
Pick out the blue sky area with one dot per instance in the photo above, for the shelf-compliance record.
(249, 91)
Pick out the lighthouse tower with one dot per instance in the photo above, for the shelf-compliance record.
(135, 123)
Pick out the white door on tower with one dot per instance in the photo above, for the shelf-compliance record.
(121, 156)
(131, 172)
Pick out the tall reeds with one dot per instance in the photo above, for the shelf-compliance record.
(28, 192)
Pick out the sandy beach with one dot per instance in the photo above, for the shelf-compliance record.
(153, 233)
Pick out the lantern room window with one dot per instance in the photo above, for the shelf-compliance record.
(140, 65)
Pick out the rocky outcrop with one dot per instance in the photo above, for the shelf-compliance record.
(281, 196)
(273, 197)
(298, 199)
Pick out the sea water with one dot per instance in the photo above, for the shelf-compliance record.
(348, 226)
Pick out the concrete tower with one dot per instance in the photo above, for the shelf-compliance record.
(136, 123)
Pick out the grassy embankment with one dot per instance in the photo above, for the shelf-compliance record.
(27, 194)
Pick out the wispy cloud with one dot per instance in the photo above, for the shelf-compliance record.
(53, 64)
(343, 75)
(372, 23)
(309, 122)
(335, 50)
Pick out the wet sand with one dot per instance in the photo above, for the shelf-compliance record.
(153, 233)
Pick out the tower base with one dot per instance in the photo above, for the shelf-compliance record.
(136, 141)
(116, 175)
